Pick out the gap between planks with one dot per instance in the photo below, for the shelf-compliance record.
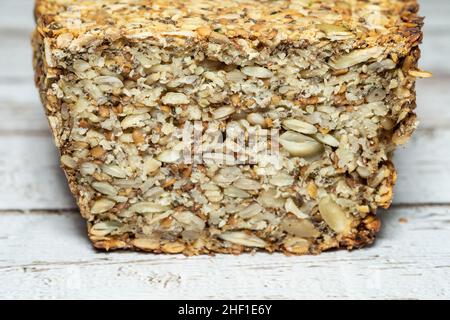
(63, 211)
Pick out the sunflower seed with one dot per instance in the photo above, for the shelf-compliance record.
(173, 247)
(88, 168)
(236, 193)
(296, 245)
(148, 207)
(102, 205)
(327, 139)
(222, 112)
(256, 119)
(69, 162)
(169, 156)
(299, 126)
(190, 220)
(102, 229)
(227, 175)
(146, 244)
(247, 184)
(291, 207)
(270, 199)
(355, 57)
(174, 98)
(151, 165)
(244, 239)
(299, 227)
(114, 171)
(105, 188)
(299, 145)
(214, 195)
(334, 216)
(250, 211)
(282, 180)
(134, 120)
(257, 72)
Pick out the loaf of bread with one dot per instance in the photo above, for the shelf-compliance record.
(139, 93)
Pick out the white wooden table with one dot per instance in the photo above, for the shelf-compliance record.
(44, 252)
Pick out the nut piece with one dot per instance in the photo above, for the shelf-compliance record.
(299, 145)
(244, 239)
(334, 216)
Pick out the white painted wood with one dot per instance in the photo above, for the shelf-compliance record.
(30, 177)
(47, 256)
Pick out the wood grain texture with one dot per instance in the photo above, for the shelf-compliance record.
(45, 254)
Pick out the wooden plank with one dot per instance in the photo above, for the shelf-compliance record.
(16, 14)
(436, 14)
(47, 256)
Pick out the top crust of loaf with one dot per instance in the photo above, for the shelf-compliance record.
(245, 24)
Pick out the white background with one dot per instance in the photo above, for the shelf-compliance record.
(44, 251)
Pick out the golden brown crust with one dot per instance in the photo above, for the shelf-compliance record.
(393, 24)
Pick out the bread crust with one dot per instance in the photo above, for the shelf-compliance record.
(69, 30)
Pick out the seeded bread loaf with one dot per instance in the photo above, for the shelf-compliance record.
(119, 80)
